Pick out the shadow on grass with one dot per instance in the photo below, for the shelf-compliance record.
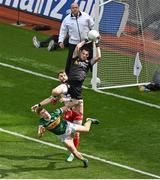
(52, 161)
(45, 157)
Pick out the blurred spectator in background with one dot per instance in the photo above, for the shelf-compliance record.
(51, 43)
(154, 85)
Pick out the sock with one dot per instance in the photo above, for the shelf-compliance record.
(76, 141)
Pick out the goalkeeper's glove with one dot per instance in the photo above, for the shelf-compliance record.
(97, 42)
(87, 41)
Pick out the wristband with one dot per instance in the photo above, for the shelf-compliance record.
(97, 43)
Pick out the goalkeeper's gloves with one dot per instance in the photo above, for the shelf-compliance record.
(87, 41)
(33, 108)
(97, 42)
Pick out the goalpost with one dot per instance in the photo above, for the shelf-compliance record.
(129, 42)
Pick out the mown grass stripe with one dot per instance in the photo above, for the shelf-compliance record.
(86, 155)
(99, 91)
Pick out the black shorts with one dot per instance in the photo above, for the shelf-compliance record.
(75, 89)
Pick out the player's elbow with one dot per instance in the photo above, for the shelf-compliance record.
(98, 58)
(55, 92)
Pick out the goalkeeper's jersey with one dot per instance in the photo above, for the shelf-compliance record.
(56, 125)
(79, 69)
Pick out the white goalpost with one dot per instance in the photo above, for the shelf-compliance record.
(124, 34)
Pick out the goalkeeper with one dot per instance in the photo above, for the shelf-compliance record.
(63, 129)
(80, 66)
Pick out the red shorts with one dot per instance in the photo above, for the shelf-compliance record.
(72, 115)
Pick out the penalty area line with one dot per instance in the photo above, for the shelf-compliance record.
(99, 91)
(86, 155)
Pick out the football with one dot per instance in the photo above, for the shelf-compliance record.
(98, 82)
(93, 35)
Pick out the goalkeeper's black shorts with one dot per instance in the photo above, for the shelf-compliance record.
(75, 89)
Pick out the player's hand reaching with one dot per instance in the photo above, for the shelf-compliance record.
(41, 131)
(53, 100)
(33, 108)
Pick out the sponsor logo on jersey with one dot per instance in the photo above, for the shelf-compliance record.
(54, 124)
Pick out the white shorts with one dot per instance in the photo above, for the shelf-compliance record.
(70, 130)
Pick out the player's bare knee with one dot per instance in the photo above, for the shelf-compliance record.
(87, 126)
(87, 129)
(77, 134)
(80, 101)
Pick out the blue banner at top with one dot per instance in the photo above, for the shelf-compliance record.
(112, 15)
(56, 9)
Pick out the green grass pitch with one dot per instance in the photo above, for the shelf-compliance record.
(129, 133)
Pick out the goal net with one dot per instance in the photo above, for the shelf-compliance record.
(130, 42)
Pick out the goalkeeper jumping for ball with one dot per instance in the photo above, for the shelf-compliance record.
(63, 129)
(80, 66)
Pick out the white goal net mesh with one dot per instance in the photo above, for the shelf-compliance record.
(128, 27)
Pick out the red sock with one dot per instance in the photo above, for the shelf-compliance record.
(76, 141)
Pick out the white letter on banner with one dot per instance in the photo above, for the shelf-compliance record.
(54, 13)
(15, 3)
(88, 7)
(27, 5)
(1, 1)
(8, 2)
(92, 14)
(47, 8)
(82, 5)
(39, 6)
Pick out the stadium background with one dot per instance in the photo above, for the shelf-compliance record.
(128, 134)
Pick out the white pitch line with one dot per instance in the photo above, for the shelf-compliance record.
(86, 155)
(129, 99)
(99, 91)
(28, 71)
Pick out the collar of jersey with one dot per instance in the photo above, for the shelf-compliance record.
(79, 14)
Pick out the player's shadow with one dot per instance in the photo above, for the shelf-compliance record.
(50, 165)
(45, 157)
